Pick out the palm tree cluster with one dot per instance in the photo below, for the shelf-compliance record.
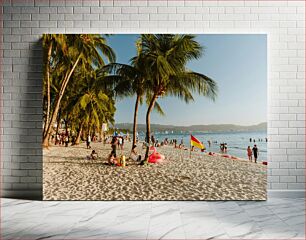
(81, 88)
(72, 89)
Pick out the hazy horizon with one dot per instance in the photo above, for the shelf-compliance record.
(237, 62)
(152, 123)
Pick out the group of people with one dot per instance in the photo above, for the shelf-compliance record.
(155, 142)
(61, 139)
(118, 142)
(223, 147)
(259, 140)
(253, 152)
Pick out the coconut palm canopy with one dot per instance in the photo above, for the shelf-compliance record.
(82, 79)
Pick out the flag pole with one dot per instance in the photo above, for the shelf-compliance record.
(190, 148)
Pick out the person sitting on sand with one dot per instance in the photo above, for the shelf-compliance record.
(112, 160)
(134, 155)
(93, 155)
(249, 152)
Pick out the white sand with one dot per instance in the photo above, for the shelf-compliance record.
(69, 176)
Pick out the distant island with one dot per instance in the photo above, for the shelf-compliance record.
(195, 128)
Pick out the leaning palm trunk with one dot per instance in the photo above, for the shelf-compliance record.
(57, 104)
(78, 138)
(48, 89)
(148, 126)
(135, 120)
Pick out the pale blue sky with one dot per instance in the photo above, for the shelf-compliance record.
(237, 62)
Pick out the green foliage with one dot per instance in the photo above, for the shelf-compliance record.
(85, 98)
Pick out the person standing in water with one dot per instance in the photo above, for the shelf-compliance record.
(255, 153)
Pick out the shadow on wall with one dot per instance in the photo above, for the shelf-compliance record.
(28, 152)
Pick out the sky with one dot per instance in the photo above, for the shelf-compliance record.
(238, 64)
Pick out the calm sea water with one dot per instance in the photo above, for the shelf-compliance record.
(237, 142)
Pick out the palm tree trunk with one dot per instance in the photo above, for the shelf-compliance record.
(78, 138)
(58, 101)
(48, 89)
(135, 120)
(148, 126)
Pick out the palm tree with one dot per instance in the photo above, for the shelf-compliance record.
(131, 83)
(166, 56)
(51, 44)
(82, 51)
(89, 102)
(130, 80)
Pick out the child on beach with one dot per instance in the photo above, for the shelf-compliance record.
(112, 159)
(93, 155)
(249, 152)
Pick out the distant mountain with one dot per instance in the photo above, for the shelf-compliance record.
(195, 128)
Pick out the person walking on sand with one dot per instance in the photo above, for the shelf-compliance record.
(255, 153)
(88, 141)
(249, 152)
(153, 140)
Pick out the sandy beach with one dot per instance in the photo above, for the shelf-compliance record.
(68, 175)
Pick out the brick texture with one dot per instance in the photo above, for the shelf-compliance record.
(25, 20)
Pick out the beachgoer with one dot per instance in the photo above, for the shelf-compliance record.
(153, 140)
(112, 159)
(222, 147)
(249, 152)
(93, 155)
(66, 140)
(209, 143)
(58, 139)
(255, 153)
(134, 155)
(73, 140)
(114, 143)
(119, 142)
(88, 141)
(250, 139)
(122, 144)
(225, 147)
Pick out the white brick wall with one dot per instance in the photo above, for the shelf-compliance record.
(25, 20)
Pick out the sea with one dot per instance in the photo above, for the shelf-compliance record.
(237, 142)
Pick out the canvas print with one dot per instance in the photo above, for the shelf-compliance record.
(154, 117)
